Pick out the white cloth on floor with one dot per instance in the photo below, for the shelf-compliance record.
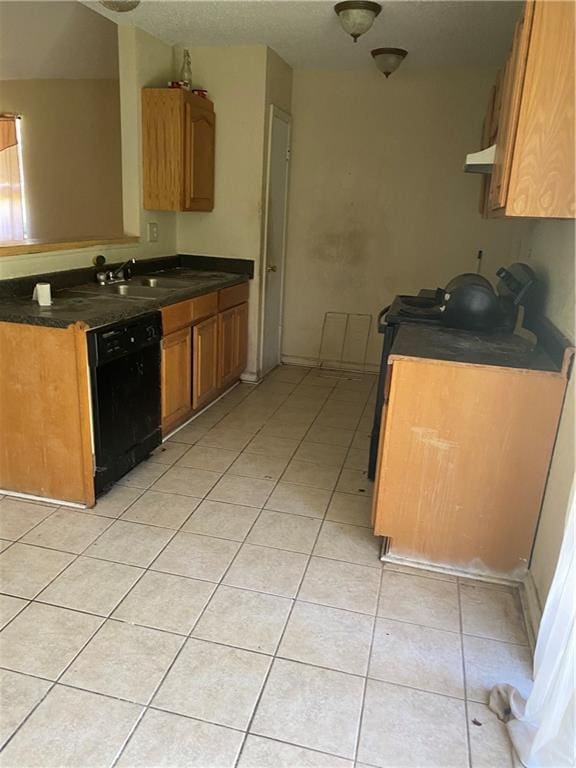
(542, 727)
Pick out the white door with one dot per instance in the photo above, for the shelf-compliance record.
(275, 239)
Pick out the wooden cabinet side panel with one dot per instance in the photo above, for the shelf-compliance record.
(464, 463)
(542, 178)
(162, 148)
(176, 377)
(44, 413)
(205, 366)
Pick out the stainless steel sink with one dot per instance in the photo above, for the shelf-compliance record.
(138, 291)
(162, 282)
(127, 290)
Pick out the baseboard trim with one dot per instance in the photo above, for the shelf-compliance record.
(249, 377)
(313, 362)
(198, 413)
(41, 499)
(531, 607)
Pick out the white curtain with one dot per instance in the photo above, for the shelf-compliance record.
(542, 728)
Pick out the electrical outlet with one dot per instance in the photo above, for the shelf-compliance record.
(153, 232)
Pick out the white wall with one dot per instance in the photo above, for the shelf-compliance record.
(379, 204)
(552, 254)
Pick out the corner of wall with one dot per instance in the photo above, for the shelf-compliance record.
(551, 253)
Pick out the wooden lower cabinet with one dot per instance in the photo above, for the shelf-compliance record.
(176, 378)
(463, 460)
(205, 362)
(202, 359)
(233, 343)
(45, 419)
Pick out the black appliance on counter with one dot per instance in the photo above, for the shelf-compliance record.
(468, 302)
(124, 360)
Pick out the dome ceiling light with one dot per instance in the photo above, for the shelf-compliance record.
(388, 59)
(357, 16)
(120, 6)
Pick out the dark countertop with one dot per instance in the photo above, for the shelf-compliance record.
(93, 305)
(452, 345)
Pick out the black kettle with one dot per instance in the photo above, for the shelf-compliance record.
(470, 303)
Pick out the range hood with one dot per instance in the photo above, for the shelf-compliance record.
(481, 162)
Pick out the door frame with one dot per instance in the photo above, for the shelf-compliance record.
(273, 112)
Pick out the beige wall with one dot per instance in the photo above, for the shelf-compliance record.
(379, 204)
(235, 79)
(143, 61)
(552, 255)
(71, 155)
(242, 81)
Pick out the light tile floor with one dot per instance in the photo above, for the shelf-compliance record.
(224, 605)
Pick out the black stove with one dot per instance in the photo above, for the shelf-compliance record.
(424, 308)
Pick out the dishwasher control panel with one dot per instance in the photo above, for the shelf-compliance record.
(120, 339)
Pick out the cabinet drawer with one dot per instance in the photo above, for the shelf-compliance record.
(204, 306)
(176, 316)
(230, 297)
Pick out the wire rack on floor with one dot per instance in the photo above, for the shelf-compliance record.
(344, 341)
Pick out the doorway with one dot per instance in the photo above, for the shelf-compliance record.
(275, 237)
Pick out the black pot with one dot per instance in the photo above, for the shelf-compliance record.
(470, 303)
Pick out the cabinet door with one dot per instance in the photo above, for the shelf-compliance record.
(511, 94)
(198, 159)
(227, 353)
(205, 366)
(176, 374)
(542, 180)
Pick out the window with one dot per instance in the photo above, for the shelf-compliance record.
(12, 215)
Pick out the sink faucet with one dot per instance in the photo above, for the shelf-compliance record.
(117, 275)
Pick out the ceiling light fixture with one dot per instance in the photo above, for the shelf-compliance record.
(357, 16)
(388, 59)
(120, 6)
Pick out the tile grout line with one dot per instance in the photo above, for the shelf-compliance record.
(367, 678)
(464, 682)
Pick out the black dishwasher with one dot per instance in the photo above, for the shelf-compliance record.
(124, 361)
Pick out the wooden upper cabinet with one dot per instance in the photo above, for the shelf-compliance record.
(534, 170)
(178, 144)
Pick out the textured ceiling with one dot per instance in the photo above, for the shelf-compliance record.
(55, 40)
(306, 33)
